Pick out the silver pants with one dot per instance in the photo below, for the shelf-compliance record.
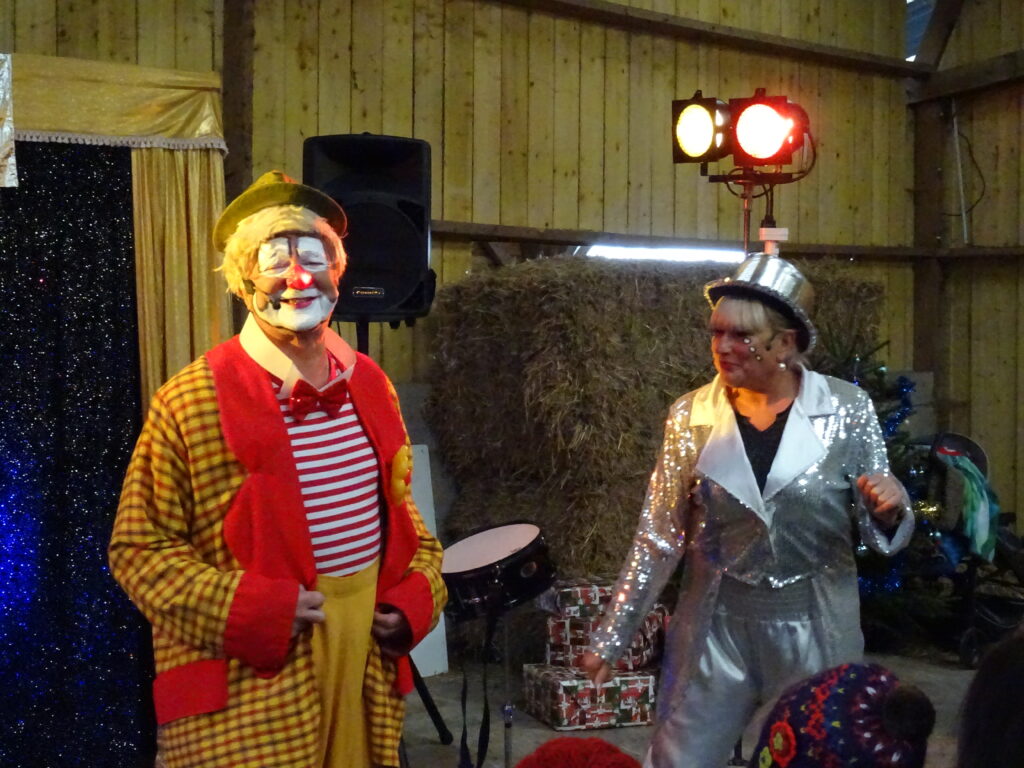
(760, 640)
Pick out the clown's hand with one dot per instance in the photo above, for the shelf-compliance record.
(391, 630)
(307, 610)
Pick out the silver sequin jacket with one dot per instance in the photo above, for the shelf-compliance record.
(799, 528)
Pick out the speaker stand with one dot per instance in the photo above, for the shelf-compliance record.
(363, 335)
(443, 734)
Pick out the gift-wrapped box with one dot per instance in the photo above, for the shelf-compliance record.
(572, 656)
(567, 701)
(568, 638)
(578, 597)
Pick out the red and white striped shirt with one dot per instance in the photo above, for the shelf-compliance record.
(339, 478)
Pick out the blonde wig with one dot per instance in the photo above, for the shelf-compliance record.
(242, 246)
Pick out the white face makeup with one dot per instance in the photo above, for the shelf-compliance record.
(275, 255)
(298, 285)
(298, 310)
(742, 356)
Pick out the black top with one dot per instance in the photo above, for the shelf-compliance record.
(761, 447)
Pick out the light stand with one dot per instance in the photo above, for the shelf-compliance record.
(747, 179)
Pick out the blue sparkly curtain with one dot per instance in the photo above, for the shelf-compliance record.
(74, 653)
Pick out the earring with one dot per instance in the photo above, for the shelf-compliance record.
(753, 348)
(782, 365)
(746, 340)
(756, 357)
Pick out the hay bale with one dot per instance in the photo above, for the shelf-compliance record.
(551, 380)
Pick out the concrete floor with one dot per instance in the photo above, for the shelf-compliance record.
(944, 682)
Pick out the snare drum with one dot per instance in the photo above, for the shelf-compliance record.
(496, 569)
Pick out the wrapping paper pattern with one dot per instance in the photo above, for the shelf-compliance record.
(568, 639)
(567, 701)
(578, 598)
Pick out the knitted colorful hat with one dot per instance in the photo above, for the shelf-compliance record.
(274, 188)
(850, 715)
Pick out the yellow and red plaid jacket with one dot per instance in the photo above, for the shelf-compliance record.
(211, 543)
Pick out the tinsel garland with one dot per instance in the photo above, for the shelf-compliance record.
(895, 418)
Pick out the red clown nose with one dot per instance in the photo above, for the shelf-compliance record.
(300, 278)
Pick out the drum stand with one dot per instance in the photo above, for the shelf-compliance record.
(488, 589)
(443, 734)
(496, 612)
(737, 753)
(508, 708)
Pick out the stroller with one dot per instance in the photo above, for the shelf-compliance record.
(989, 589)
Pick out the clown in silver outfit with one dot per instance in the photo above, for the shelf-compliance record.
(769, 585)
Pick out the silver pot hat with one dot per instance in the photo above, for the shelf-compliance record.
(774, 282)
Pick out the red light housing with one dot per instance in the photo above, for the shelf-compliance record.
(766, 130)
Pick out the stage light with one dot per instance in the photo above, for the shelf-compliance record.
(699, 129)
(766, 130)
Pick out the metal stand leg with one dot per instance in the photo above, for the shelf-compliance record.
(737, 753)
(428, 702)
(508, 709)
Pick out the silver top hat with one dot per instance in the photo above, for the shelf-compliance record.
(778, 284)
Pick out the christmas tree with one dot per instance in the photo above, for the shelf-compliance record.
(908, 599)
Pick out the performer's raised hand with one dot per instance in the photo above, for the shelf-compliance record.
(885, 495)
(307, 610)
(391, 630)
(596, 668)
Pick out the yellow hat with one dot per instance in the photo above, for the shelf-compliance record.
(274, 188)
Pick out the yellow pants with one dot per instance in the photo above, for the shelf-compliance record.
(341, 646)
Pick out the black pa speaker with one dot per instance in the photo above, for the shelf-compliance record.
(383, 183)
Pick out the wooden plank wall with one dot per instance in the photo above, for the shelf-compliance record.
(535, 119)
(177, 34)
(981, 376)
(546, 121)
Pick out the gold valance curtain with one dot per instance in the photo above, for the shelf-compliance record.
(172, 121)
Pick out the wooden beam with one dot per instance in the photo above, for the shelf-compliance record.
(651, 22)
(499, 233)
(999, 70)
(237, 80)
(945, 14)
(980, 252)
(464, 231)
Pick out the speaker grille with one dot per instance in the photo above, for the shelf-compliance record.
(385, 259)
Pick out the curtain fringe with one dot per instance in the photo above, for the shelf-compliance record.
(159, 142)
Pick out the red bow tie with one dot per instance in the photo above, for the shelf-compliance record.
(305, 399)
